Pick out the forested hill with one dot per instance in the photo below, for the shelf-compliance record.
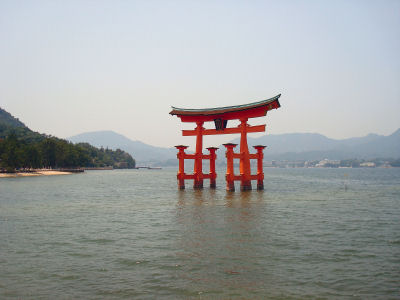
(22, 148)
(8, 120)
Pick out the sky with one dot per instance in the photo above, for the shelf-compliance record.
(68, 67)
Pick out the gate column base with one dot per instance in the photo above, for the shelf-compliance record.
(198, 184)
(213, 184)
(245, 185)
(230, 186)
(181, 184)
(260, 186)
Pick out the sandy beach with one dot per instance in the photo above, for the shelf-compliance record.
(36, 173)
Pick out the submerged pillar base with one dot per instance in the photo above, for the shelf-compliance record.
(181, 184)
(230, 186)
(260, 186)
(198, 184)
(213, 184)
(245, 185)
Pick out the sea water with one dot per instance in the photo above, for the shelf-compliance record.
(312, 233)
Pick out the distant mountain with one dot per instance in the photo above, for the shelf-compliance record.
(309, 146)
(381, 146)
(143, 153)
(291, 146)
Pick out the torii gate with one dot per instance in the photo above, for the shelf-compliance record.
(220, 117)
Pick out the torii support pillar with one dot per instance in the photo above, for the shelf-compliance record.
(245, 171)
(260, 171)
(245, 176)
(230, 172)
(198, 160)
(181, 170)
(213, 174)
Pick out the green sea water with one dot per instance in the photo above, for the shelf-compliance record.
(130, 234)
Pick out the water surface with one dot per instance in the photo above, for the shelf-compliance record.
(326, 233)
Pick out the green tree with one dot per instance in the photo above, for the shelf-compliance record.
(48, 150)
(9, 158)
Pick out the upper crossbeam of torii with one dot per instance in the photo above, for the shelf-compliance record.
(220, 116)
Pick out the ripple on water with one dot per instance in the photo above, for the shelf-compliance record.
(100, 241)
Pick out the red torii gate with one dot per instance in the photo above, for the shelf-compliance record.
(220, 117)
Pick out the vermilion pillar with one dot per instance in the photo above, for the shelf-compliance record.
(260, 171)
(230, 183)
(198, 161)
(181, 170)
(213, 174)
(245, 171)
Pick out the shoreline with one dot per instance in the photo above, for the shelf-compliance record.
(35, 173)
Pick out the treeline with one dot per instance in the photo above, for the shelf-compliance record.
(23, 149)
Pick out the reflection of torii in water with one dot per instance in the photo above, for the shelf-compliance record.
(220, 117)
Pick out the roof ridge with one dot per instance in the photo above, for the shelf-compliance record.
(244, 106)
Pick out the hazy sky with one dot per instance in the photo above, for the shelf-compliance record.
(68, 67)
